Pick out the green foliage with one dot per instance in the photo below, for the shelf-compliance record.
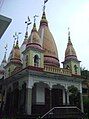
(74, 96)
(84, 73)
(86, 105)
(86, 100)
(73, 90)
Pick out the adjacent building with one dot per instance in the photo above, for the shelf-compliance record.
(4, 23)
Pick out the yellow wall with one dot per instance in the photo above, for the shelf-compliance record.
(11, 67)
(31, 54)
(71, 65)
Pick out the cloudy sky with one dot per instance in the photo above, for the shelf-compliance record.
(61, 14)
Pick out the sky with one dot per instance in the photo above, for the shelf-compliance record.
(60, 14)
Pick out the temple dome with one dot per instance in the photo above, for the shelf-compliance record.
(48, 43)
(15, 53)
(34, 40)
(70, 51)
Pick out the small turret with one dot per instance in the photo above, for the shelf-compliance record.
(71, 62)
(34, 52)
(34, 39)
(14, 60)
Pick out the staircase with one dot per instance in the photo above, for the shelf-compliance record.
(63, 112)
(67, 112)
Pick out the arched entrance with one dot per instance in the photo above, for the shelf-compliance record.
(57, 95)
(40, 98)
(44, 97)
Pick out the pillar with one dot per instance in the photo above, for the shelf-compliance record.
(81, 98)
(50, 98)
(64, 97)
(28, 100)
(50, 89)
(67, 97)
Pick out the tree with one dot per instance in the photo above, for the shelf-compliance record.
(74, 96)
(86, 105)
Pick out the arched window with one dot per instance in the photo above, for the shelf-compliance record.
(26, 60)
(75, 69)
(36, 60)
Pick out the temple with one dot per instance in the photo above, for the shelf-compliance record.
(33, 81)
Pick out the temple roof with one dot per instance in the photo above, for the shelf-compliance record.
(47, 41)
(70, 51)
(15, 52)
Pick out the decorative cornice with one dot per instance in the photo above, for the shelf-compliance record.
(35, 68)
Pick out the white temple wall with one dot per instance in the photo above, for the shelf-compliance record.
(40, 95)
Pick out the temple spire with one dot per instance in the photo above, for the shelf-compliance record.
(34, 25)
(45, 1)
(16, 38)
(4, 59)
(43, 19)
(69, 39)
(28, 22)
(68, 34)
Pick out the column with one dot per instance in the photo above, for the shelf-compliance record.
(81, 98)
(64, 97)
(50, 97)
(67, 97)
(50, 89)
(28, 100)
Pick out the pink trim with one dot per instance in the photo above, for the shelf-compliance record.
(51, 57)
(35, 68)
(33, 44)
